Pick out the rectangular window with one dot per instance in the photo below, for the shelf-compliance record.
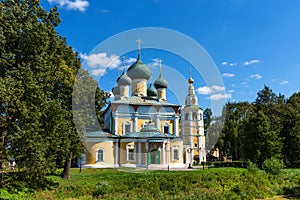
(196, 145)
(127, 128)
(130, 154)
(166, 129)
(176, 154)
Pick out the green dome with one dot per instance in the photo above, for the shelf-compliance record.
(124, 79)
(139, 70)
(149, 128)
(151, 91)
(160, 82)
(116, 90)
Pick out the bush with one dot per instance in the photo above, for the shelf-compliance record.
(252, 168)
(273, 166)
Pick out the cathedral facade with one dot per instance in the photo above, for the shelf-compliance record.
(143, 129)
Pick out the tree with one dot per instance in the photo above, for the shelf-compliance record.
(260, 141)
(207, 118)
(291, 131)
(38, 71)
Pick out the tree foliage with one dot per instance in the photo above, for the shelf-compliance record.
(38, 70)
(267, 128)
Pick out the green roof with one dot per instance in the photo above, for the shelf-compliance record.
(135, 100)
(139, 70)
(161, 82)
(151, 91)
(124, 79)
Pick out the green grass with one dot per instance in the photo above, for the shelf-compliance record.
(126, 183)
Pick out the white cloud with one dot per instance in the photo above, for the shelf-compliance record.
(130, 60)
(250, 62)
(224, 63)
(204, 90)
(230, 91)
(232, 85)
(80, 5)
(98, 63)
(228, 75)
(208, 90)
(284, 82)
(232, 64)
(257, 76)
(220, 96)
(244, 83)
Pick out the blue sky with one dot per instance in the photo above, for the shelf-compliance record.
(252, 42)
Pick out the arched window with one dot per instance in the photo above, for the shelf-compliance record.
(194, 116)
(100, 155)
(201, 116)
(186, 116)
(127, 128)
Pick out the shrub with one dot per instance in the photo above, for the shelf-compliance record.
(252, 167)
(273, 166)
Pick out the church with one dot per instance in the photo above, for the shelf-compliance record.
(142, 129)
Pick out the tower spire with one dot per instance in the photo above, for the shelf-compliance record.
(191, 80)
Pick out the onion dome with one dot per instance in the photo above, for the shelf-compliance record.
(151, 91)
(191, 80)
(116, 90)
(124, 79)
(139, 70)
(160, 82)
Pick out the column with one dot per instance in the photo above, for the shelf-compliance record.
(163, 153)
(176, 131)
(135, 123)
(115, 131)
(157, 121)
(168, 153)
(139, 153)
(147, 149)
(117, 153)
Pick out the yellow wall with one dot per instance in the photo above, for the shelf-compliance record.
(123, 153)
(180, 143)
(92, 147)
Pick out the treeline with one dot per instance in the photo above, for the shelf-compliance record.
(267, 128)
(37, 73)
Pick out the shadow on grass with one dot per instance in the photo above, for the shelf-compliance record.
(292, 192)
(18, 181)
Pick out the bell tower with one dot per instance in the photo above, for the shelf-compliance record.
(192, 127)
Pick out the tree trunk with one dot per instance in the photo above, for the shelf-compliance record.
(67, 167)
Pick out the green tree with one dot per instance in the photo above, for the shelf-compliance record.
(291, 131)
(260, 141)
(38, 71)
(207, 118)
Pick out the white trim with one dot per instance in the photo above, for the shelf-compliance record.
(127, 152)
(177, 148)
(103, 160)
(165, 124)
(124, 125)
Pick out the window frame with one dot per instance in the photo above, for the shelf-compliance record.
(97, 155)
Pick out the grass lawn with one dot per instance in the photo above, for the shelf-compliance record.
(124, 183)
